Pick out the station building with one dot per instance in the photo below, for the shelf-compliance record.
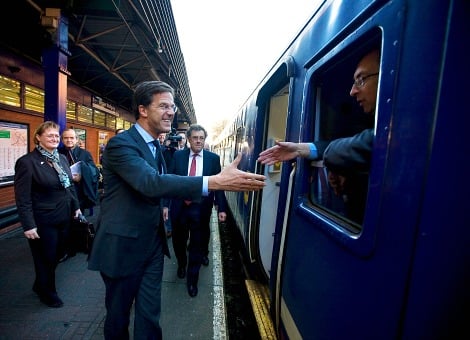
(77, 63)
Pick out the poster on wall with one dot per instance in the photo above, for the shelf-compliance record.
(13, 145)
(81, 137)
(103, 137)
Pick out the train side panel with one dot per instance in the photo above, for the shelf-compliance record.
(439, 298)
(402, 271)
(381, 282)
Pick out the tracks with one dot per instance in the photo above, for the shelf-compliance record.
(241, 322)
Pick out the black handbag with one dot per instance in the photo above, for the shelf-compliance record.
(82, 234)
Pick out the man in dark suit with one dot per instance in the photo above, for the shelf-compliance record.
(85, 181)
(192, 219)
(130, 239)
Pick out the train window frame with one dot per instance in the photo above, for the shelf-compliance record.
(359, 238)
(337, 115)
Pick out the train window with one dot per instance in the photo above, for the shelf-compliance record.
(343, 99)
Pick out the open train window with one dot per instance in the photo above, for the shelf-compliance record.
(339, 88)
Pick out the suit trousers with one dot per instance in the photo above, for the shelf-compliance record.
(144, 286)
(206, 234)
(188, 225)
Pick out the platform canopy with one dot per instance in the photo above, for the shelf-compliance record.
(113, 45)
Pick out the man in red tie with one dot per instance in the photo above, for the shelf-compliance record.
(192, 219)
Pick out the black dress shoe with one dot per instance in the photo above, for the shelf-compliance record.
(64, 258)
(36, 289)
(205, 261)
(51, 300)
(181, 272)
(192, 290)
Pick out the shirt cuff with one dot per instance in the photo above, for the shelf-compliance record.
(205, 185)
(313, 151)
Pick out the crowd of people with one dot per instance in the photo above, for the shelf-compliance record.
(154, 191)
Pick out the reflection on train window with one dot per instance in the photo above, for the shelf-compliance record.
(340, 191)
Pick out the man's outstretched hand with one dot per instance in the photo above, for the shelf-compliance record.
(233, 179)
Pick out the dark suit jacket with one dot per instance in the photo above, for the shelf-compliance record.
(87, 188)
(40, 197)
(130, 211)
(351, 157)
(350, 154)
(210, 166)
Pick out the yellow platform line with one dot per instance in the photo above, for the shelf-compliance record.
(260, 302)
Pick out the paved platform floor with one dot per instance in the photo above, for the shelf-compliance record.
(23, 316)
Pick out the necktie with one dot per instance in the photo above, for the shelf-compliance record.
(192, 169)
(158, 156)
(192, 172)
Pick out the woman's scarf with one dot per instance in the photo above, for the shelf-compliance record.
(54, 159)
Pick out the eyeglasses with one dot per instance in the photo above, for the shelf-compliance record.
(52, 136)
(197, 138)
(361, 80)
(166, 107)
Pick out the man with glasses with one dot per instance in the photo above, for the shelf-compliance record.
(192, 219)
(343, 156)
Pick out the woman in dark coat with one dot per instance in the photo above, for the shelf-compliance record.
(46, 202)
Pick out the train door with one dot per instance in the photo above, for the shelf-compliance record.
(276, 115)
(272, 104)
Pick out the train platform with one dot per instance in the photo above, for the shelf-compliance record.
(23, 316)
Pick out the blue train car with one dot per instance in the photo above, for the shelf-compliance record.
(402, 269)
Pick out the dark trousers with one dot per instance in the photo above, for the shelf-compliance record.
(46, 251)
(206, 234)
(144, 288)
(188, 225)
